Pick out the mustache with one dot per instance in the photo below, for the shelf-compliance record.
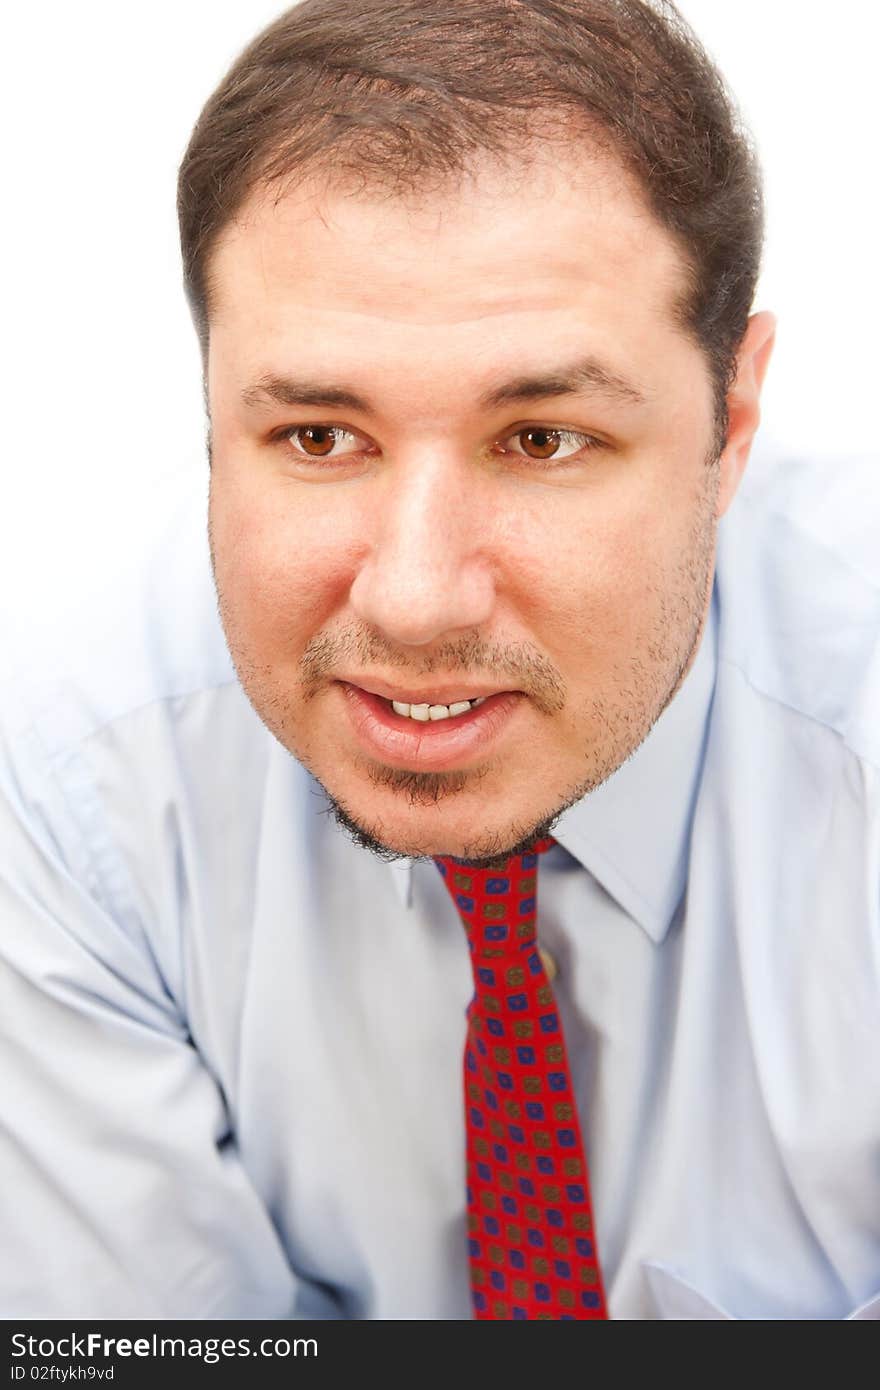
(518, 668)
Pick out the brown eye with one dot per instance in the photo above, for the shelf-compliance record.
(544, 443)
(557, 446)
(316, 440)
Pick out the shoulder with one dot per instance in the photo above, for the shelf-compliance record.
(144, 635)
(121, 715)
(798, 581)
(128, 750)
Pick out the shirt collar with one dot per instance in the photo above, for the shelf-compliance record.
(633, 832)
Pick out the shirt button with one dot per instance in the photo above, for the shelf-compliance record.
(548, 963)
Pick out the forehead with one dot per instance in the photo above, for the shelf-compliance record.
(559, 251)
(494, 237)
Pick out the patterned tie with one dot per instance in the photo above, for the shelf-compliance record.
(530, 1221)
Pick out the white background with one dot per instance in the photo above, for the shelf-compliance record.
(104, 405)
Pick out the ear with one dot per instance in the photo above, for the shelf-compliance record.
(743, 404)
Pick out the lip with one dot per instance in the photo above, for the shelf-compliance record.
(437, 695)
(430, 746)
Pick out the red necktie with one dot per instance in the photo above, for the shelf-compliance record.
(530, 1222)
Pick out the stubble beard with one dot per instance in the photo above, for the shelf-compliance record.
(647, 686)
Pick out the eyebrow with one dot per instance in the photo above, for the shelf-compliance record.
(585, 375)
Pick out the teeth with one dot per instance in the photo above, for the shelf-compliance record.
(423, 713)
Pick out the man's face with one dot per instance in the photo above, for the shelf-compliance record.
(431, 543)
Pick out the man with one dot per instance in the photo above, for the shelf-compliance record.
(472, 284)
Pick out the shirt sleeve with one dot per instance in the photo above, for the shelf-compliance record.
(122, 1192)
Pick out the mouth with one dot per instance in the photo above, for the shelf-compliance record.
(428, 736)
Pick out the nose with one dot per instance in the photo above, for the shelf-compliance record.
(428, 572)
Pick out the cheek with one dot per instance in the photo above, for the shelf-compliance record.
(600, 568)
(614, 576)
(278, 571)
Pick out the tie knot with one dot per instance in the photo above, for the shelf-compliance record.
(498, 906)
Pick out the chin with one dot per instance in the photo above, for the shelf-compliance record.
(417, 826)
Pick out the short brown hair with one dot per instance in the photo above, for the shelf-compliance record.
(400, 91)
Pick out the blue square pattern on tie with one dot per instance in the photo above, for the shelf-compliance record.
(497, 885)
(498, 932)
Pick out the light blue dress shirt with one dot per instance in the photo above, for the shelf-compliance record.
(231, 1039)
